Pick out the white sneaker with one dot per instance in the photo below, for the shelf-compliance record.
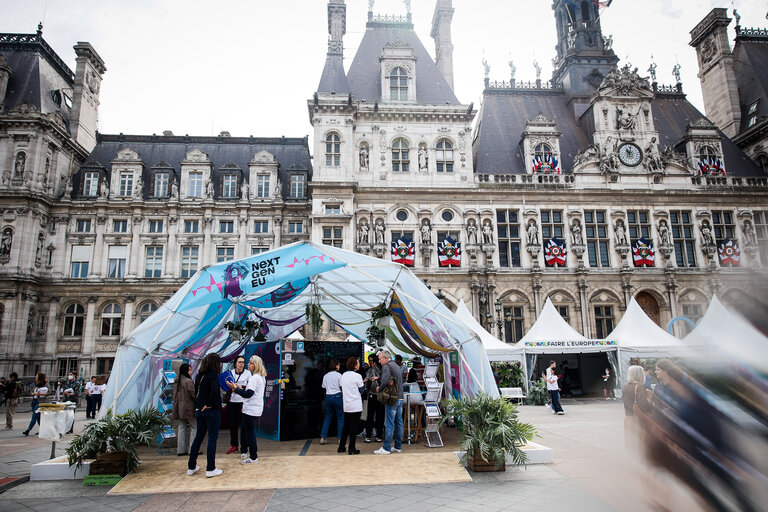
(249, 461)
(382, 451)
(397, 450)
(323, 441)
(191, 472)
(215, 472)
(243, 456)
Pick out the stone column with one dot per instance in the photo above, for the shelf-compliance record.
(584, 301)
(672, 286)
(203, 254)
(172, 249)
(475, 290)
(100, 255)
(242, 242)
(277, 230)
(90, 328)
(128, 315)
(134, 250)
(53, 327)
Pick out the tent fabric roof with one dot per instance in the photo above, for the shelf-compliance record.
(496, 349)
(550, 326)
(637, 331)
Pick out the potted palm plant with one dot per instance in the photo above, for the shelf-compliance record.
(113, 439)
(489, 429)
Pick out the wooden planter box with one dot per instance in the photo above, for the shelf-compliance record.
(115, 463)
(477, 463)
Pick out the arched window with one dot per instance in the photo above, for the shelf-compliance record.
(146, 311)
(400, 160)
(444, 156)
(707, 152)
(74, 316)
(541, 150)
(762, 161)
(333, 149)
(111, 316)
(398, 85)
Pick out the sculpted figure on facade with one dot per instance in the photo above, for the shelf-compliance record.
(665, 239)
(625, 118)
(209, 190)
(652, 71)
(749, 233)
(537, 67)
(532, 233)
(363, 233)
(245, 190)
(578, 238)
(426, 232)
(620, 232)
(6, 242)
(653, 160)
(590, 153)
(20, 166)
(422, 158)
(609, 159)
(67, 187)
(364, 156)
(39, 251)
(471, 232)
(676, 73)
(706, 234)
(379, 229)
(174, 190)
(608, 42)
(278, 188)
(137, 190)
(104, 189)
(487, 232)
(512, 70)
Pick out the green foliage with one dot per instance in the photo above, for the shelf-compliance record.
(249, 328)
(537, 393)
(510, 373)
(116, 433)
(379, 312)
(314, 317)
(490, 428)
(374, 333)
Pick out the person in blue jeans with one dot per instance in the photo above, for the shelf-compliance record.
(207, 414)
(41, 390)
(393, 414)
(553, 388)
(333, 401)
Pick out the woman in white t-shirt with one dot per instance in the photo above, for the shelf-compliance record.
(333, 404)
(352, 388)
(253, 406)
(553, 388)
(239, 376)
(41, 390)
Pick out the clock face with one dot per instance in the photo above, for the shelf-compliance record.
(630, 154)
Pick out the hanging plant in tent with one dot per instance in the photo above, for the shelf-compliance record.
(314, 318)
(376, 333)
(239, 331)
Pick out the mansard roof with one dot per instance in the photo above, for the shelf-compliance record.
(506, 111)
(334, 79)
(750, 57)
(364, 75)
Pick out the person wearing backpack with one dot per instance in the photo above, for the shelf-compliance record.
(13, 390)
(390, 392)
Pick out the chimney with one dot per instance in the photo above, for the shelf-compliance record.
(85, 104)
(441, 33)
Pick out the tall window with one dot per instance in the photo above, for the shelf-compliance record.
(155, 226)
(722, 223)
(161, 184)
(551, 224)
(752, 114)
(111, 316)
(126, 183)
(261, 226)
(603, 321)
(191, 226)
(262, 185)
(297, 186)
(398, 85)
(760, 219)
(295, 227)
(563, 310)
(444, 156)
(225, 254)
(226, 226)
(120, 226)
(638, 224)
(91, 184)
(682, 234)
(146, 311)
(513, 324)
(541, 150)
(508, 228)
(707, 152)
(229, 186)
(189, 255)
(332, 236)
(81, 255)
(400, 160)
(153, 262)
(74, 316)
(694, 312)
(195, 184)
(83, 225)
(333, 149)
(118, 254)
(597, 238)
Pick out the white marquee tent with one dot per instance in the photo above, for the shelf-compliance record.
(496, 349)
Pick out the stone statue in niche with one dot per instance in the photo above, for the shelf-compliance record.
(423, 157)
(625, 118)
(21, 164)
(621, 233)
(609, 158)
(174, 190)
(749, 233)
(104, 189)
(278, 188)
(706, 234)
(487, 232)
(67, 187)
(665, 240)
(471, 233)
(532, 233)
(426, 232)
(578, 238)
(245, 190)
(653, 157)
(39, 251)
(209, 190)
(137, 189)
(379, 230)
(363, 233)
(364, 156)
(6, 242)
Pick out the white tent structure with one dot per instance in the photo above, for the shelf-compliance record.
(496, 349)
(721, 335)
(275, 288)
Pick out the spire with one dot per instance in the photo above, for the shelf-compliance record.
(441, 33)
(334, 79)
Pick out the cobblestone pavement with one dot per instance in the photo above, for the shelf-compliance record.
(590, 472)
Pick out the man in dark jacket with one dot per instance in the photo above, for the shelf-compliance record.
(393, 414)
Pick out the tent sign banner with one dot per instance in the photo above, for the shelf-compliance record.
(571, 343)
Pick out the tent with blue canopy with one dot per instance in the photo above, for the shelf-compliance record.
(274, 288)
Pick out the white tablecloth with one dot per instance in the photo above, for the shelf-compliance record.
(54, 424)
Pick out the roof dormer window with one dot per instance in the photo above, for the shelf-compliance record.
(398, 84)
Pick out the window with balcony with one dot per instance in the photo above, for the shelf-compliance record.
(125, 188)
(596, 230)
(91, 184)
(444, 156)
(118, 255)
(400, 156)
(195, 184)
(333, 150)
(297, 186)
(81, 256)
(262, 186)
(683, 238)
(508, 228)
(398, 84)
(229, 186)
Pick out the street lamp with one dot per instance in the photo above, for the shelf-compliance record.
(499, 321)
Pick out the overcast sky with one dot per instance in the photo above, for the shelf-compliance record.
(249, 66)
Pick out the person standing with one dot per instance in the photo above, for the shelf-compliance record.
(375, 413)
(391, 374)
(41, 390)
(12, 393)
(352, 387)
(239, 375)
(183, 411)
(207, 414)
(253, 406)
(608, 385)
(96, 391)
(89, 398)
(333, 400)
(402, 364)
(553, 388)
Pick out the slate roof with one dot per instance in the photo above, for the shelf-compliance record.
(364, 76)
(504, 113)
(169, 151)
(751, 63)
(334, 79)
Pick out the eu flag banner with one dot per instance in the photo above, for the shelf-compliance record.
(729, 252)
(403, 251)
(643, 253)
(449, 252)
(555, 252)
